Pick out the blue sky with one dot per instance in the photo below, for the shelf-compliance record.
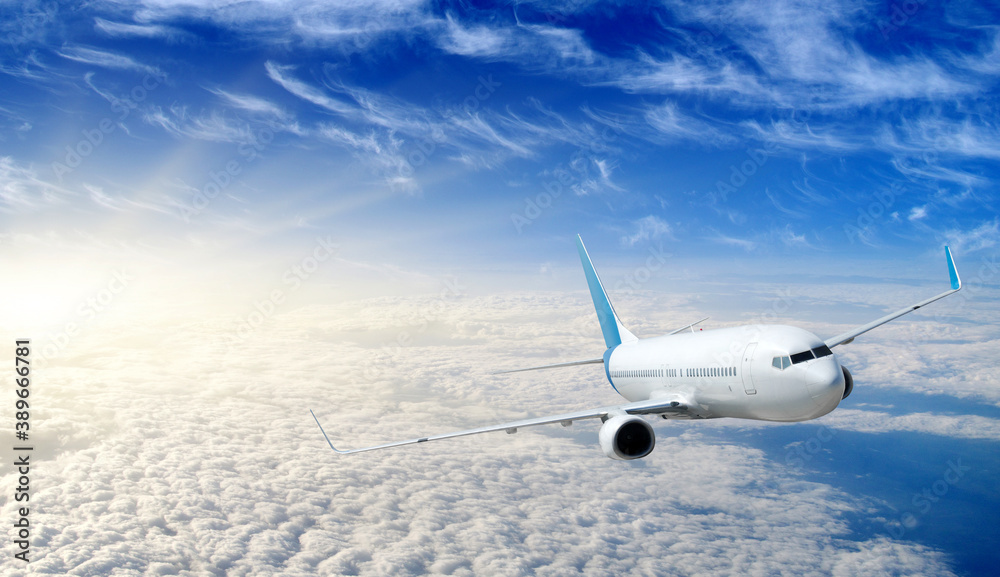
(418, 169)
(450, 137)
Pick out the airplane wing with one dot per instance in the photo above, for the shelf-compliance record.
(956, 285)
(660, 406)
(555, 366)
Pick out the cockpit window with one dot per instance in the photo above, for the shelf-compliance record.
(781, 363)
(822, 351)
(802, 357)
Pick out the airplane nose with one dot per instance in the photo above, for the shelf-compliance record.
(826, 383)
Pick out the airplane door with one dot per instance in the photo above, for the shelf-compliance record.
(745, 369)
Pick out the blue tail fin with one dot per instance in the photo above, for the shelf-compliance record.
(614, 331)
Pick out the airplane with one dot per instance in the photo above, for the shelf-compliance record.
(760, 372)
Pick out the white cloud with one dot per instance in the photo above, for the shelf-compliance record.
(21, 188)
(669, 120)
(538, 47)
(176, 454)
(933, 133)
(788, 237)
(724, 239)
(808, 61)
(959, 427)
(984, 236)
(213, 126)
(98, 196)
(474, 40)
(647, 228)
(280, 75)
(125, 29)
(106, 59)
(250, 103)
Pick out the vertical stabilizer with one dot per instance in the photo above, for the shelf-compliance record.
(614, 331)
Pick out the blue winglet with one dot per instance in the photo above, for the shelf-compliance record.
(956, 283)
(614, 332)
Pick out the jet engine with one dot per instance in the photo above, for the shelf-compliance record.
(625, 438)
(848, 383)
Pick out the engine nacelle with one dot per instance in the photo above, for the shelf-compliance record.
(848, 383)
(626, 437)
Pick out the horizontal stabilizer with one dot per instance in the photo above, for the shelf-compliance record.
(685, 327)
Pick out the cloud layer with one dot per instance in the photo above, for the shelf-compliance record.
(175, 451)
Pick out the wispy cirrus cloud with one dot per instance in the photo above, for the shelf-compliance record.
(118, 29)
(723, 239)
(985, 236)
(967, 136)
(23, 190)
(250, 103)
(106, 59)
(647, 228)
(213, 126)
(280, 74)
(670, 121)
(541, 47)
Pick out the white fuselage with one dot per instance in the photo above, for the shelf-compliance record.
(733, 372)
